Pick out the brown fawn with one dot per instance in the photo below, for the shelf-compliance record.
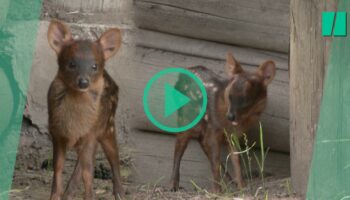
(82, 101)
(234, 105)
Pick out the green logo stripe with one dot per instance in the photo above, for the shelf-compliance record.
(340, 25)
(18, 31)
(327, 23)
(336, 21)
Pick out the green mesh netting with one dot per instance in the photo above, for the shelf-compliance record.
(18, 30)
(330, 169)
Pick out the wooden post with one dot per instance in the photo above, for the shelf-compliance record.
(307, 68)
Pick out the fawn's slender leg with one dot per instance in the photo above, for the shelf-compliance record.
(86, 160)
(236, 166)
(110, 146)
(59, 154)
(182, 140)
(211, 146)
(73, 181)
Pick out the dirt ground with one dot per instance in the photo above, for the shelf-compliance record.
(33, 175)
(31, 184)
(35, 184)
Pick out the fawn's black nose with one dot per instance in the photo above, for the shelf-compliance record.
(83, 83)
(231, 117)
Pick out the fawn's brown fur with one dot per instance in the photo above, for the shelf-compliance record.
(235, 105)
(82, 101)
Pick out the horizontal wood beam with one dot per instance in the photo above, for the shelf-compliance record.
(207, 49)
(244, 24)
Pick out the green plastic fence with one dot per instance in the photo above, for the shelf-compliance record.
(330, 169)
(18, 30)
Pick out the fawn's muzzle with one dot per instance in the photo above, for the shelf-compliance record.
(83, 83)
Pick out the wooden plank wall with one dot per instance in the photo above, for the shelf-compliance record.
(88, 5)
(91, 11)
(151, 58)
(253, 23)
(185, 33)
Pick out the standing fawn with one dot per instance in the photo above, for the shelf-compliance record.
(234, 105)
(82, 101)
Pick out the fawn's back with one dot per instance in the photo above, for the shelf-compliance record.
(236, 102)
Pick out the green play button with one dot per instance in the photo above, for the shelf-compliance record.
(175, 100)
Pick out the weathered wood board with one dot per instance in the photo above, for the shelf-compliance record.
(153, 160)
(307, 69)
(88, 5)
(99, 12)
(207, 49)
(257, 24)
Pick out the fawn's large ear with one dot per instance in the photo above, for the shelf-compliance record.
(232, 66)
(268, 71)
(58, 34)
(110, 42)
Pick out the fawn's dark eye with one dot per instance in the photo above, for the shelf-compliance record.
(72, 65)
(94, 67)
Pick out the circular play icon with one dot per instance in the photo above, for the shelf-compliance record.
(175, 100)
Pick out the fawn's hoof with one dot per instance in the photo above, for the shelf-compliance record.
(216, 190)
(241, 184)
(55, 197)
(67, 197)
(175, 189)
(119, 196)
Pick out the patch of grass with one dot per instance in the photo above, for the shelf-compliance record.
(247, 156)
(151, 186)
(210, 195)
(261, 161)
(266, 195)
(289, 190)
